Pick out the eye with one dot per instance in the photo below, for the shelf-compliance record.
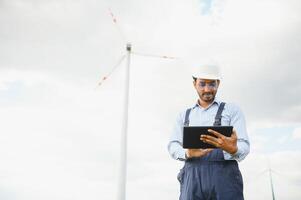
(202, 83)
(212, 84)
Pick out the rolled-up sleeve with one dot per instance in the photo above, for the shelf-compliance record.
(243, 145)
(175, 148)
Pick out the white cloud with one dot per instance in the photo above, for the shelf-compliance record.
(297, 133)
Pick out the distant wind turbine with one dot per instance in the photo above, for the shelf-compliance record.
(269, 171)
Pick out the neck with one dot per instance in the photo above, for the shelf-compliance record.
(204, 104)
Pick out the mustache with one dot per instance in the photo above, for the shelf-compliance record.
(208, 93)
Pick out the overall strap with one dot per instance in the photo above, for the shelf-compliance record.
(218, 116)
(217, 154)
(186, 123)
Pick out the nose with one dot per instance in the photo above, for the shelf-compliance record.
(207, 88)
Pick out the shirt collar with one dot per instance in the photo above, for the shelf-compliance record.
(215, 101)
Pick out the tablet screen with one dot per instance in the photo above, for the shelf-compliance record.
(191, 135)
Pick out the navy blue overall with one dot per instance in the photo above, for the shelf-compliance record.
(210, 177)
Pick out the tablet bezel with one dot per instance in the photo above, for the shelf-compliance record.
(191, 135)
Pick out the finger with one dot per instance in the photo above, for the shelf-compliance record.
(192, 150)
(218, 141)
(211, 142)
(206, 151)
(208, 137)
(209, 150)
(217, 134)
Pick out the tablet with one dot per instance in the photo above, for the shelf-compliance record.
(191, 135)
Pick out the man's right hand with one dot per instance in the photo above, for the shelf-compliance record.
(191, 153)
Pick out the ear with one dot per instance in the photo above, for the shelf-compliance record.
(218, 81)
(194, 83)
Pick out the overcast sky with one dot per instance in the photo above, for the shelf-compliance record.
(60, 137)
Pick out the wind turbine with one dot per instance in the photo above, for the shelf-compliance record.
(269, 171)
(121, 193)
(271, 180)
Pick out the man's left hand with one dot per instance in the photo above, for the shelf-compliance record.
(228, 144)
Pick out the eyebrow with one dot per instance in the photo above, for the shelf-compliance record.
(208, 81)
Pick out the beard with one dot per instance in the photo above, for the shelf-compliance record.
(207, 97)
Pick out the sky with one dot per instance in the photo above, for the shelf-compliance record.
(60, 134)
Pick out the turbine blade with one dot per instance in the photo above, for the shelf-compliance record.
(154, 56)
(114, 19)
(109, 74)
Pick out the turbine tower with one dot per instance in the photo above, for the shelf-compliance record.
(271, 181)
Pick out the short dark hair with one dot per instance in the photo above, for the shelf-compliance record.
(194, 78)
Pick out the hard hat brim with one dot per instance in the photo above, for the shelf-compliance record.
(207, 76)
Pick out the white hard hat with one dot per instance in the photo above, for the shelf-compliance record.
(209, 71)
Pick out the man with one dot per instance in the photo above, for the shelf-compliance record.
(210, 174)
